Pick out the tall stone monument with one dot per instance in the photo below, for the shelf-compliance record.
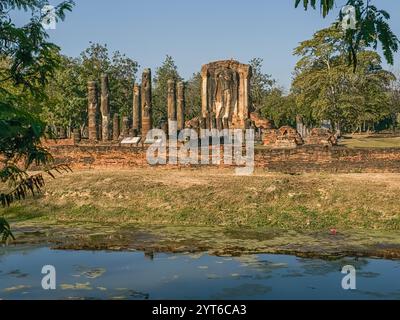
(92, 111)
(146, 103)
(136, 109)
(116, 131)
(171, 101)
(180, 106)
(225, 94)
(105, 108)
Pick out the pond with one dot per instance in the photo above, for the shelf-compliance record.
(136, 275)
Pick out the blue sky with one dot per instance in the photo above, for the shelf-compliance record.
(195, 32)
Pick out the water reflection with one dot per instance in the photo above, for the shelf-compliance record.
(138, 275)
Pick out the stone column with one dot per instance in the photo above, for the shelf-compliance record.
(105, 108)
(204, 90)
(76, 135)
(171, 100)
(180, 108)
(245, 74)
(136, 109)
(147, 123)
(92, 110)
(125, 126)
(116, 127)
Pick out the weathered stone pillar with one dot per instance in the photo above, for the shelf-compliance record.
(76, 135)
(204, 93)
(171, 101)
(92, 110)
(105, 108)
(180, 108)
(125, 127)
(147, 122)
(62, 133)
(116, 127)
(136, 109)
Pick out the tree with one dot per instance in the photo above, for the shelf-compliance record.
(325, 87)
(67, 103)
(394, 102)
(372, 28)
(167, 71)
(27, 63)
(260, 85)
(193, 96)
(279, 108)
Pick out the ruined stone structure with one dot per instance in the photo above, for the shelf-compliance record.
(225, 94)
(180, 106)
(136, 110)
(116, 127)
(105, 108)
(284, 137)
(321, 136)
(92, 110)
(171, 101)
(302, 129)
(260, 122)
(125, 126)
(147, 122)
(76, 135)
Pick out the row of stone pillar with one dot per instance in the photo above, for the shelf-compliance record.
(142, 108)
(176, 103)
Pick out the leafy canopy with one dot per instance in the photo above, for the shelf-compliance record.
(372, 27)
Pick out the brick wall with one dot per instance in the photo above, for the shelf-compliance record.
(306, 158)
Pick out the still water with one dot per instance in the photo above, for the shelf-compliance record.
(134, 275)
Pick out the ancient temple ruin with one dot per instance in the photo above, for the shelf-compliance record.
(225, 104)
(225, 95)
(105, 108)
(146, 99)
(92, 110)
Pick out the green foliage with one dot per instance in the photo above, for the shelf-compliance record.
(326, 88)
(167, 71)
(27, 62)
(279, 108)
(372, 28)
(5, 230)
(193, 96)
(67, 103)
(31, 59)
(394, 102)
(261, 84)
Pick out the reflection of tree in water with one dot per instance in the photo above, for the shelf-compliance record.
(255, 263)
(323, 267)
(302, 266)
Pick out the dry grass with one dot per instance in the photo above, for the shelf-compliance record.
(366, 141)
(208, 196)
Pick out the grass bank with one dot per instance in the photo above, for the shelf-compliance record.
(370, 141)
(216, 197)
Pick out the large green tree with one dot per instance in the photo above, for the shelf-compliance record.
(168, 70)
(67, 103)
(193, 96)
(261, 84)
(326, 88)
(372, 27)
(27, 61)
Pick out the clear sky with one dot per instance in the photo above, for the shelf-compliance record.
(195, 32)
